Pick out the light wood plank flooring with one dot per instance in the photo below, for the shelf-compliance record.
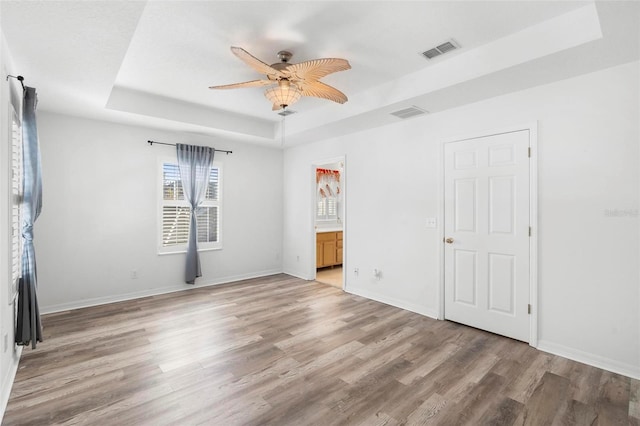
(330, 275)
(283, 351)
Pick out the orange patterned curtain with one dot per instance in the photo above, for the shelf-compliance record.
(328, 182)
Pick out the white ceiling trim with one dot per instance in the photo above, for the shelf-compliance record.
(136, 102)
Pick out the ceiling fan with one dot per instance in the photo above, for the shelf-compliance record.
(291, 81)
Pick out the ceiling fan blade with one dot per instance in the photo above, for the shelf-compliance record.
(321, 90)
(252, 83)
(256, 63)
(317, 68)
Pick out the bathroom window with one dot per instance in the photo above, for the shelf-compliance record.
(328, 193)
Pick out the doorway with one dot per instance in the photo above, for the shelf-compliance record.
(487, 233)
(328, 197)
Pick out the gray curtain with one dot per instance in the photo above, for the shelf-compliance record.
(28, 327)
(195, 167)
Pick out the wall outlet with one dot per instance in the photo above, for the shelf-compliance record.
(134, 274)
(298, 258)
(431, 222)
(356, 271)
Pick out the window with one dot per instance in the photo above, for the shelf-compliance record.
(327, 208)
(16, 202)
(327, 194)
(175, 211)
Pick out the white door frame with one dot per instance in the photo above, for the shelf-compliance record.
(533, 215)
(343, 188)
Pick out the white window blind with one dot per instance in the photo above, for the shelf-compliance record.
(327, 209)
(175, 212)
(16, 201)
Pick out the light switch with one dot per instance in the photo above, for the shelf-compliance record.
(431, 222)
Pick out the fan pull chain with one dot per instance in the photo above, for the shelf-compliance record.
(282, 133)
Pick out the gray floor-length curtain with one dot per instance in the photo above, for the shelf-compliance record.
(28, 327)
(195, 167)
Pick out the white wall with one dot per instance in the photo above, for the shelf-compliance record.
(99, 216)
(588, 157)
(9, 352)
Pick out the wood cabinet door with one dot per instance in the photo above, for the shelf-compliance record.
(319, 258)
(329, 253)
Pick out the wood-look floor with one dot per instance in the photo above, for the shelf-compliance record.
(283, 351)
(330, 275)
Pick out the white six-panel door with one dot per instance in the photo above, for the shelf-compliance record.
(486, 225)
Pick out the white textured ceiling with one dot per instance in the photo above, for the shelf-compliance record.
(151, 62)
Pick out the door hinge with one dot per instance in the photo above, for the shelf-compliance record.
(529, 231)
(529, 309)
(529, 152)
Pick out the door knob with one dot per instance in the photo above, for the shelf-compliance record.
(449, 240)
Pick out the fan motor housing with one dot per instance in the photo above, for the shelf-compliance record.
(284, 57)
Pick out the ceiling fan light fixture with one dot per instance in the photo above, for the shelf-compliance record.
(284, 94)
(293, 80)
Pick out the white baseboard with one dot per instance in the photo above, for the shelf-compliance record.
(608, 364)
(76, 304)
(297, 275)
(7, 382)
(402, 304)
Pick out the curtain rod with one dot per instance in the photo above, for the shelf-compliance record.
(173, 144)
(17, 77)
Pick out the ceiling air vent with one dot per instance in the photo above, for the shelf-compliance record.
(286, 112)
(441, 49)
(409, 112)
(431, 53)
